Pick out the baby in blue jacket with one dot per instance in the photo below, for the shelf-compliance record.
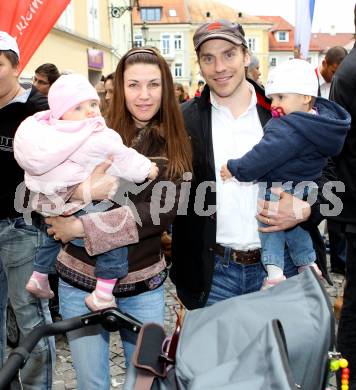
(304, 131)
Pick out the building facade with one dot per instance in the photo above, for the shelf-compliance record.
(88, 38)
(281, 42)
(170, 25)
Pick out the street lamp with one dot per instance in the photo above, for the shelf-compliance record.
(144, 30)
(117, 12)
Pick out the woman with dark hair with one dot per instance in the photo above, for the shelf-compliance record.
(148, 118)
(109, 86)
(180, 93)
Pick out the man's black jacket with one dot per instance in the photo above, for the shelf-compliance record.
(343, 91)
(194, 236)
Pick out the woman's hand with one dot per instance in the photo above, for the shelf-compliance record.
(98, 186)
(65, 228)
(282, 215)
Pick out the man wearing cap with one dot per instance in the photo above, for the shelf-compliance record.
(18, 241)
(216, 255)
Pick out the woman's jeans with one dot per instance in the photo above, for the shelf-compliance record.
(90, 346)
(18, 246)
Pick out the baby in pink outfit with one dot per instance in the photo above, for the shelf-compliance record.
(59, 148)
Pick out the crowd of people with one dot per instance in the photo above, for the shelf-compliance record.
(106, 171)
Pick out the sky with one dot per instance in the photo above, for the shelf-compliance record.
(327, 13)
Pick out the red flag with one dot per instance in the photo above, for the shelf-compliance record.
(29, 21)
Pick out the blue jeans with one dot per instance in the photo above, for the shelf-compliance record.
(298, 240)
(18, 246)
(231, 279)
(90, 346)
(109, 265)
(299, 243)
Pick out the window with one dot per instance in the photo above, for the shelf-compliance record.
(150, 14)
(178, 70)
(172, 12)
(282, 36)
(251, 42)
(165, 44)
(178, 42)
(93, 19)
(273, 61)
(66, 21)
(138, 40)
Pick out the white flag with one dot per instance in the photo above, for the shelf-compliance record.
(303, 23)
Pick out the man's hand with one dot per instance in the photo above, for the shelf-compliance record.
(65, 228)
(288, 212)
(98, 186)
(225, 173)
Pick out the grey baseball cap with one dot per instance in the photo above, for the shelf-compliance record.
(219, 29)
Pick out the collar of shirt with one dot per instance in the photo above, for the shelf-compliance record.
(250, 107)
(21, 98)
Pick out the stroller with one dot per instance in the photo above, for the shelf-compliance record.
(276, 339)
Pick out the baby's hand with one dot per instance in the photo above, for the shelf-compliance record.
(153, 171)
(225, 173)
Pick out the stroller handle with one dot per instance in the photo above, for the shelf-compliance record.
(111, 319)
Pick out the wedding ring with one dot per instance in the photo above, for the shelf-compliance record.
(267, 221)
(57, 239)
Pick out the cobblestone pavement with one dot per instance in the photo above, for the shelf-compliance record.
(65, 375)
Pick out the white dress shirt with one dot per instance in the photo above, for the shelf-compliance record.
(324, 86)
(236, 202)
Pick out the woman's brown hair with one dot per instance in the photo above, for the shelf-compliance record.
(169, 116)
(179, 87)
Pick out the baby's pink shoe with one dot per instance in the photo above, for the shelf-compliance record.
(39, 288)
(314, 265)
(268, 283)
(95, 302)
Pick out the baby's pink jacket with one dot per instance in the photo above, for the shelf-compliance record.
(56, 154)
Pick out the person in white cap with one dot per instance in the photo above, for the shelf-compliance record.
(19, 242)
(59, 148)
(303, 133)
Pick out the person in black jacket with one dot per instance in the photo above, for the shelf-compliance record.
(215, 247)
(19, 242)
(343, 92)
